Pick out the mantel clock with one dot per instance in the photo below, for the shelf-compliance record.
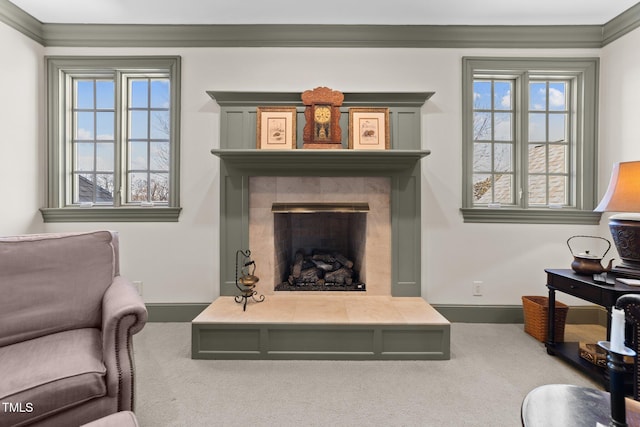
(322, 116)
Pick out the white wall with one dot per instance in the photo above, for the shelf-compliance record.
(508, 258)
(179, 262)
(21, 156)
(619, 110)
(619, 103)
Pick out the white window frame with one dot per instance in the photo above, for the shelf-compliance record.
(583, 164)
(60, 74)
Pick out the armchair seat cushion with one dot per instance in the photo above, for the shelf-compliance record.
(51, 373)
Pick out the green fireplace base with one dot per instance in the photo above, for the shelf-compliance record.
(320, 342)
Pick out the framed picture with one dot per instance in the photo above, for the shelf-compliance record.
(276, 128)
(369, 128)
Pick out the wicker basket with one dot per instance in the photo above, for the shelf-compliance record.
(536, 317)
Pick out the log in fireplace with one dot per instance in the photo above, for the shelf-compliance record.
(321, 271)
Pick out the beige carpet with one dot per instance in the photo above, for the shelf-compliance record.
(492, 368)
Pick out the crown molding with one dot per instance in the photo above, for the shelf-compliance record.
(360, 36)
(339, 36)
(621, 25)
(21, 21)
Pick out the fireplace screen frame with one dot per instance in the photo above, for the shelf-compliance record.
(320, 246)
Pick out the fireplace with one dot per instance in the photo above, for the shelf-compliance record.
(399, 167)
(320, 246)
(389, 320)
(323, 234)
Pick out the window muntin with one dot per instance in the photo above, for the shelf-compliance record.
(148, 145)
(92, 140)
(543, 179)
(493, 141)
(550, 141)
(118, 148)
(145, 111)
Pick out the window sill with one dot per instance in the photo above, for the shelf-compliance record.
(109, 214)
(531, 216)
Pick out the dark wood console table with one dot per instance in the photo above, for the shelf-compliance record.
(583, 287)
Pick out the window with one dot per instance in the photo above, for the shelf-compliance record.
(113, 139)
(529, 140)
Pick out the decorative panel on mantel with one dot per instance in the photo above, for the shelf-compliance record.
(240, 159)
(238, 115)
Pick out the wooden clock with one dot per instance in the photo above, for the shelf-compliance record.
(322, 118)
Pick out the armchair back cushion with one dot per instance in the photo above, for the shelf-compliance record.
(57, 272)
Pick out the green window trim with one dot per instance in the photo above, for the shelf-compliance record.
(531, 216)
(584, 157)
(104, 214)
(59, 208)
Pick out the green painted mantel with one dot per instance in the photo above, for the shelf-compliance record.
(351, 99)
(239, 160)
(349, 162)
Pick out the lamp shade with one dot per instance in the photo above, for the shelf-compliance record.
(623, 194)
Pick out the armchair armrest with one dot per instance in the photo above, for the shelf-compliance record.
(123, 315)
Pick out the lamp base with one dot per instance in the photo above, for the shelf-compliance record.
(626, 236)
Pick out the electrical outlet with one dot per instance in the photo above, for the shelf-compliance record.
(477, 288)
(138, 285)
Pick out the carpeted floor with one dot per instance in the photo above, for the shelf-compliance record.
(492, 368)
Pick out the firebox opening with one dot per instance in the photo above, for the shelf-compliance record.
(321, 249)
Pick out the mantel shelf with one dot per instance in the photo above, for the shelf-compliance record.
(351, 99)
(378, 161)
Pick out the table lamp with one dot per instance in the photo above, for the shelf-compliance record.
(623, 195)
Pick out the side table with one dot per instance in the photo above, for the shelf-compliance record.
(585, 288)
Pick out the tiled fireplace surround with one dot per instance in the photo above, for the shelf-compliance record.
(252, 180)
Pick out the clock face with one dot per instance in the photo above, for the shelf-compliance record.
(322, 114)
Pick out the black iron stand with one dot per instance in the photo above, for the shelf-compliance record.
(616, 381)
(247, 291)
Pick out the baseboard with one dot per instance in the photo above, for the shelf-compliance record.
(174, 312)
(514, 314)
(186, 312)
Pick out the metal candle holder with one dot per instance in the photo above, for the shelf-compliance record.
(616, 382)
(246, 280)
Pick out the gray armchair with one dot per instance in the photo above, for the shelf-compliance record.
(67, 319)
